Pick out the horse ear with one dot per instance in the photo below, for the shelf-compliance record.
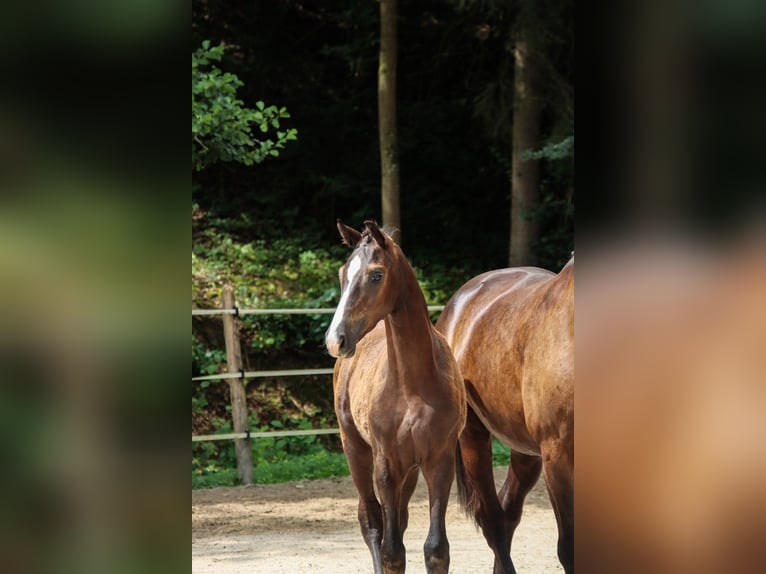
(376, 233)
(349, 235)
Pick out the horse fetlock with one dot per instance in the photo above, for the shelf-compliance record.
(437, 565)
(436, 551)
(504, 567)
(393, 556)
(394, 566)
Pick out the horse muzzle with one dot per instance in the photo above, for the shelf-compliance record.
(339, 345)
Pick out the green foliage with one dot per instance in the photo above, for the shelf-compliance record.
(322, 464)
(501, 454)
(222, 127)
(213, 477)
(281, 273)
(552, 151)
(556, 215)
(279, 459)
(204, 362)
(555, 210)
(455, 200)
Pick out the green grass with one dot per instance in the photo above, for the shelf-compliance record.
(215, 477)
(308, 467)
(322, 464)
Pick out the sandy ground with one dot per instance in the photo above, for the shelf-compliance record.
(311, 526)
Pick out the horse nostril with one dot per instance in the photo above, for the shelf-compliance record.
(341, 341)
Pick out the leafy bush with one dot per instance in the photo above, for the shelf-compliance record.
(277, 274)
(204, 362)
(222, 128)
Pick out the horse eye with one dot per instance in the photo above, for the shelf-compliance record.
(376, 276)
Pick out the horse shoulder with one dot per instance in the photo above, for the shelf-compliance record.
(357, 383)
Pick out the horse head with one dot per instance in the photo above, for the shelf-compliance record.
(368, 287)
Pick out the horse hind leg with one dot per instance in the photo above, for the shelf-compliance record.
(558, 470)
(477, 492)
(523, 472)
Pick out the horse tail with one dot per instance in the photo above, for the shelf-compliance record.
(466, 493)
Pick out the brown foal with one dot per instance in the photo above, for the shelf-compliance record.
(399, 397)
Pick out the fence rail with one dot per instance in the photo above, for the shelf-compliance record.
(302, 311)
(257, 374)
(237, 376)
(262, 434)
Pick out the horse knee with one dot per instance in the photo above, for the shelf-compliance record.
(369, 516)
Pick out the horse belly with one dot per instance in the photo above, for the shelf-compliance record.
(519, 391)
(506, 421)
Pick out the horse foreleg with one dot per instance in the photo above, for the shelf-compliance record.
(389, 481)
(408, 488)
(477, 491)
(523, 472)
(359, 456)
(558, 470)
(439, 475)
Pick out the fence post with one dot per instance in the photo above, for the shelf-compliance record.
(237, 389)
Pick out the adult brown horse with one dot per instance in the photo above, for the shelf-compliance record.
(512, 333)
(399, 397)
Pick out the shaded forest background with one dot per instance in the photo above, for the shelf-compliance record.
(269, 228)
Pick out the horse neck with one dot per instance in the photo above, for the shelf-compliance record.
(409, 333)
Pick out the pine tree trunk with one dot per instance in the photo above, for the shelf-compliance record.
(524, 174)
(389, 147)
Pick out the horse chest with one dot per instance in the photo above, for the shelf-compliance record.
(377, 413)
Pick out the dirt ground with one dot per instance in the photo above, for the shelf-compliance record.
(311, 526)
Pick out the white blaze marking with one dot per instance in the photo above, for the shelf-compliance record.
(353, 269)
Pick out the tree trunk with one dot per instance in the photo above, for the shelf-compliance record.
(524, 174)
(389, 149)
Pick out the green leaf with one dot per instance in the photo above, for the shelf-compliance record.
(221, 120)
